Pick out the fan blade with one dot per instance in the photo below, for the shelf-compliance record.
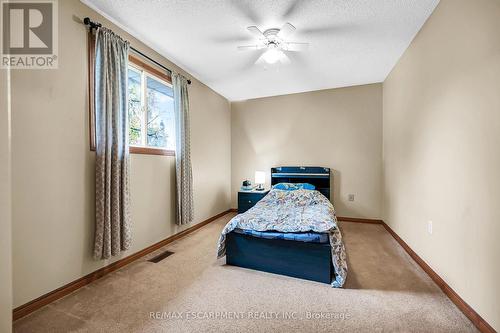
(338, 28)
(245, 9)
(250, 47)
(249, 59)
(260, 60)
(295, 47)
(290, 11)
(284, 59)
(256, 32)
(286, 31)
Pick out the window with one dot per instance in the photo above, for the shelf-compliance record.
(150, 107)
(150, 110)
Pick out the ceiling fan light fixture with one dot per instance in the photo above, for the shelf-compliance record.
(272, 55)
(275, 43)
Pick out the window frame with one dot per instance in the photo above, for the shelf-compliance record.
(138, 64)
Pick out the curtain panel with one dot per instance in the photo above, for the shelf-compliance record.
(112, 228)
(184, 176)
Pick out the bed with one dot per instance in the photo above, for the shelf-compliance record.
(289, 232)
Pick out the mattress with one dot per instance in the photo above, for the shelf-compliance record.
(307, 237)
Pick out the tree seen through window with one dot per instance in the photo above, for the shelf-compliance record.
(151, 111)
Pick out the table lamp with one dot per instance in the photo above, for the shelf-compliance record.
(260, 180)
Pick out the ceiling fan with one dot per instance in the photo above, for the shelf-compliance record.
(275, 43)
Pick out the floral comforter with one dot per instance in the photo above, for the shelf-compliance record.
(293, 211)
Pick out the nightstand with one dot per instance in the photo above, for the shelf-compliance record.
(247, 199)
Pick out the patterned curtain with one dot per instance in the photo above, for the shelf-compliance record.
(184, 177)
(112, 229)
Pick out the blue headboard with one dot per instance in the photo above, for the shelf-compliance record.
(317, 176)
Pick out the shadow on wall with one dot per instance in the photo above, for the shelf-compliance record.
(220, 196)
(335, 180)
(173, 193)
(340, 203)
(89, 215)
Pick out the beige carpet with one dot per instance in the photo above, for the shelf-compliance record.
(385, 292)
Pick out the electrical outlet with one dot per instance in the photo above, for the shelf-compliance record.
(429, 227)
(351, 197)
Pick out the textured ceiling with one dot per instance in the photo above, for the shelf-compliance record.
(352, 42)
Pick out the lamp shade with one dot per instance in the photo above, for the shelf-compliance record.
(260, 177)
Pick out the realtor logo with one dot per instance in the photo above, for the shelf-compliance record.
(29, 34)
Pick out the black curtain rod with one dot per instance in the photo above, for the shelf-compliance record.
(95, 25)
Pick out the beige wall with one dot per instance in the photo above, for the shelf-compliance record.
(441, 149)
(336, 128)
(53, 169)
(5, 208)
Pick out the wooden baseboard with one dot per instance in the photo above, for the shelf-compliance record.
(474, 317)
(358, 220)
(43, 300)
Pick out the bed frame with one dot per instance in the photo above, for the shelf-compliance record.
(310, 261)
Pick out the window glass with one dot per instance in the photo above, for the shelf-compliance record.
(150, 110)
(135, 107)
(160, 114)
